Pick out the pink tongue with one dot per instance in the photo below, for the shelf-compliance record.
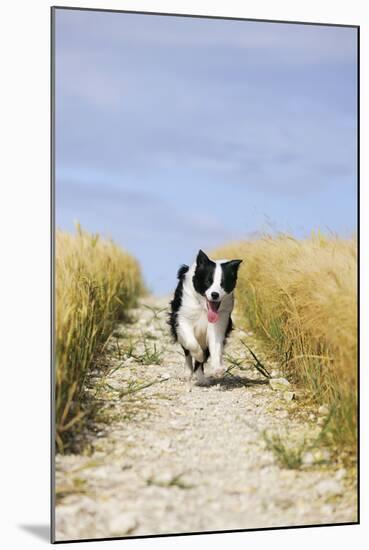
(213, 316)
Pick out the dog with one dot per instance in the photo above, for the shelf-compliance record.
(200, 312)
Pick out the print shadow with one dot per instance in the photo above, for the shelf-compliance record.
(40, 531)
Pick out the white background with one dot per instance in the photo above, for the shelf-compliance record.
(25, 261)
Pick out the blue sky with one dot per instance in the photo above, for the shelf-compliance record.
(174, 134)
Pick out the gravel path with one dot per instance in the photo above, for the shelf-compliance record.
(172, 460)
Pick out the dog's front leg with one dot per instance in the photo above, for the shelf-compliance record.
(187, 339)
(188, 360)
(216, 333)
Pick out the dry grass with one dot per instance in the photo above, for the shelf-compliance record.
(301, 296)
(96, 282)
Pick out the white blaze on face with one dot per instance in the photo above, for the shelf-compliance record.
(216, 285)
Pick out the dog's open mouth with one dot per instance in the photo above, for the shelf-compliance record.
(213, 314)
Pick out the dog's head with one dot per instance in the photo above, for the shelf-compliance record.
(214, 280)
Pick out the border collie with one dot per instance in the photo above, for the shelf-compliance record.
(200, 315)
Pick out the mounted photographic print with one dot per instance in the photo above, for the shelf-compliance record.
(205, 203)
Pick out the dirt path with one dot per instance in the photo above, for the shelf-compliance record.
(172, 460)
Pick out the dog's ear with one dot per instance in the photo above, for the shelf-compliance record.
(202, 258)
(234, 264)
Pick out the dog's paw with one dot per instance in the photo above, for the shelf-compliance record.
(219, 370)
(200, 378)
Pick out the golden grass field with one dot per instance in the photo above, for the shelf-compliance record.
(301, 297)
(96, 282)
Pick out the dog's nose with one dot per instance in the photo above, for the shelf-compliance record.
(215, 295)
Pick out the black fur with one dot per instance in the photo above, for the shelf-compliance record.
(175, 304)
(199, 365)
(229, 275)
(204, 273)
(228, 329)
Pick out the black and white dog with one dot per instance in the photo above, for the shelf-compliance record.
(200, 316)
